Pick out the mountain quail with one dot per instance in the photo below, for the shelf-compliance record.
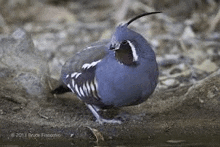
(118, 72)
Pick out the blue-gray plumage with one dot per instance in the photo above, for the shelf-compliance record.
(118, 72)
(122, 85)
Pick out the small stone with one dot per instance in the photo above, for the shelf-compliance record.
(175, 70)
(188, 33)
(201, 101)
(72, 135)
(176, 141)
(172, 56)
(213, 92)
(16, 108)
(1, 112)
(31, 83)
(178, 69)
(170, 82)
(207, 66)
(197, 55)
(168, 60)
(20, 100)
(155, 43)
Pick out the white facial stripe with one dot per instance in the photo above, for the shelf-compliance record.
(134, 53)
(88, 65)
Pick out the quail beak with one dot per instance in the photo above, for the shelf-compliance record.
(115, 46)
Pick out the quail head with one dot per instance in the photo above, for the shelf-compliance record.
(118, 72)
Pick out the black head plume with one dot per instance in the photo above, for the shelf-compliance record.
(127, 44)
(139, 16)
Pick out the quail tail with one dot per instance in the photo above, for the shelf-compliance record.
(99, 119)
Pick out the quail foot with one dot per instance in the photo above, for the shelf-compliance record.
(118, 72)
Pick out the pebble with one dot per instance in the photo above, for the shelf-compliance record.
(1, 112)
(207, 66)
(175, 141)
(25, 65)
(16, 108)
(170, 82)
(188, 33)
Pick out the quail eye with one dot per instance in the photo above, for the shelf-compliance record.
(124, 42)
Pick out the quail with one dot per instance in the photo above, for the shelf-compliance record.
(121, 71)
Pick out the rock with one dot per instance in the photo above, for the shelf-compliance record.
(55, 67)
(23, 70)
(197, 55)
(170, 83)
(178, 69)
(188, 33)
(31, 82)
(168, 60)
(207, 66)
(202, 96)
(175, 141)
(1, 112)
(205, 94)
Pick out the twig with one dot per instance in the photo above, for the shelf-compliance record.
(41, 115)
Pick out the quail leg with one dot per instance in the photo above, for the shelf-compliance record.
(99, 119)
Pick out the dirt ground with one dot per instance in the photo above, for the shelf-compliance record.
(183, 115)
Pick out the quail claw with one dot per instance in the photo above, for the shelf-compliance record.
(99, 119)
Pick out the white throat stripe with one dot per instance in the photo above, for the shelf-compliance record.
(134, 53)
